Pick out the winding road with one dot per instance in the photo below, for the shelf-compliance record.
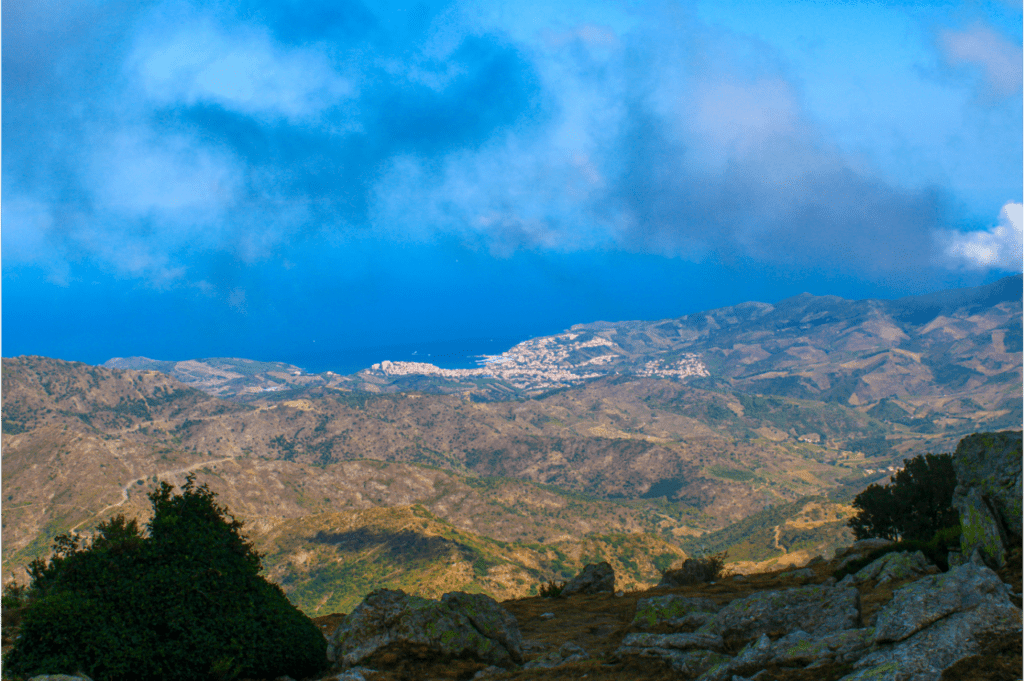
(135, 481)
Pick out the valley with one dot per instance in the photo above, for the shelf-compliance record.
(775, 417)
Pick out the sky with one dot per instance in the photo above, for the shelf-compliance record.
(330, 183)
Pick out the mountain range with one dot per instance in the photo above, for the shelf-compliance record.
(746, 429)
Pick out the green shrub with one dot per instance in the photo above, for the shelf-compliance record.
(935, 549)
(697, 570)
(12, 605)
(917, 504)
(552, 589)
(184, 601)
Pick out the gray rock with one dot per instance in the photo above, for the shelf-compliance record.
(547, 615)
(930, 599)
(652, 612)
(818, 609)
(926, 654)
(931, 624)
(796, 649)
(595, 578)
(692, 621)
(801, 648)
(695, 662)
(896, 566)
(988, 493)
(689, 654)
(567, 653)
(859, 548)
(460, 625)
(754, 656)
(700, 641)
(802, 573)
(981, 529)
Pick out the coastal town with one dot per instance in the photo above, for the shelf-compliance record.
(552, 362)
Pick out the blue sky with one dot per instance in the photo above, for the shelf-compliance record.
(298, 180)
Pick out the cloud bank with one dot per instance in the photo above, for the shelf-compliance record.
(167, 135)
(1001, 246)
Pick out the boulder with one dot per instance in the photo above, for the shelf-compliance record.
(594, 579)
(859, 548)
(674, 610)
(694, 641)
(798, 649)
(391, 623)
(567, 653)
(933, 623)
(818, 609)
(690, 654)
(988, 493)
(801, 573)
(931, 599)
(895, 567)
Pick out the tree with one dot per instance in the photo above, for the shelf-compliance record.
(917, 504)
(183, 601)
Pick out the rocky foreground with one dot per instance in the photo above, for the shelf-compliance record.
(871, 612)
(898, 618)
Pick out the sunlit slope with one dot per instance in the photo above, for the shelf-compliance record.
(328, 562)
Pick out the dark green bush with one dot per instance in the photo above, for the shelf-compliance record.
(552, 589)
(184, 601)
(12, 604)
(697, 570)
(917, 504)
(935, 549)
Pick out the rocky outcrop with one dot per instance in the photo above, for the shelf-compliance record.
(859, 549)
(677, 611)
(818, 609)
(823, 610)
(594, 579)
(988, 493)
(897, 566)
(567, 653)
(460, 625)
(793, 650)
(927, 626)
(690, 654)
(934, 622)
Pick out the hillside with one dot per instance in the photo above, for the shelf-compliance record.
(952, 356)
(759, 456)
(83, 443)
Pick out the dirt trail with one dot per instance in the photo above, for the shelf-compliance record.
(162, 474)
(778, 531)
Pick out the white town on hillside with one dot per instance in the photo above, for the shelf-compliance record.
(544, 363)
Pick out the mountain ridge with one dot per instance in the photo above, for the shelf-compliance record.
(798, 412)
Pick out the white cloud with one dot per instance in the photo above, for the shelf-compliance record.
(137, 173)
(244, 71)
(999, 59)
(997, 248)
(730, 120)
